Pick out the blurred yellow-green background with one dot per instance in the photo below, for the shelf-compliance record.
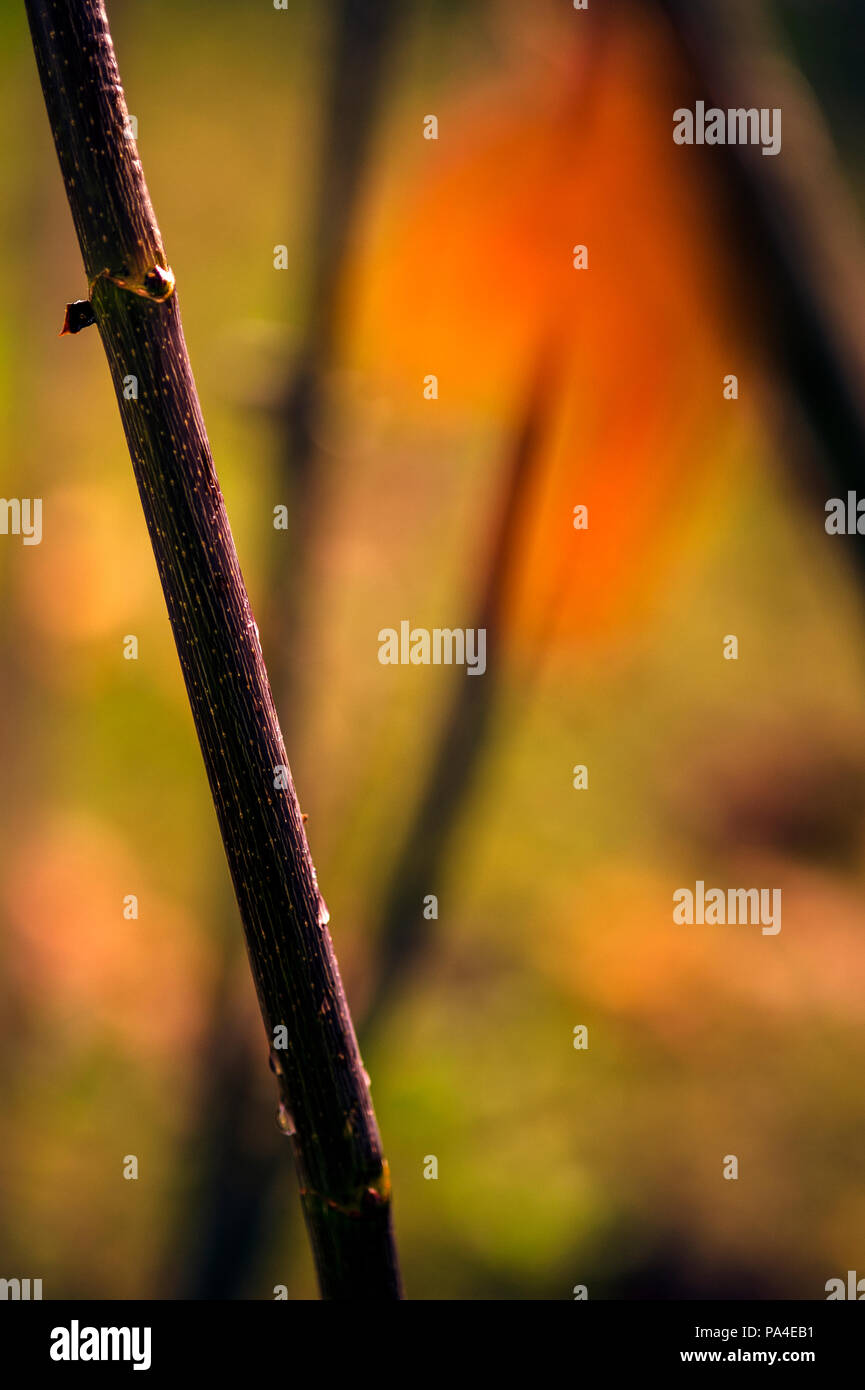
(603, 387)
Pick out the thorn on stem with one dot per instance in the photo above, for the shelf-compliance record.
(79, 314)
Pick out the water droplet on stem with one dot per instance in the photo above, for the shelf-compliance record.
(285, 1120)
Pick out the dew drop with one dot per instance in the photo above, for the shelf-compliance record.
(285, 1120)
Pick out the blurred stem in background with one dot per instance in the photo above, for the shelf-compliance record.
(770, 208)
(363, 36)
(404, 932)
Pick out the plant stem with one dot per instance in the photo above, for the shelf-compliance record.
(323, 1087)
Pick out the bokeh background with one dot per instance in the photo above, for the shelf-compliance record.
(408, 257)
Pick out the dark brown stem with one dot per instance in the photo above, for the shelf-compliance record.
(323, 1087)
